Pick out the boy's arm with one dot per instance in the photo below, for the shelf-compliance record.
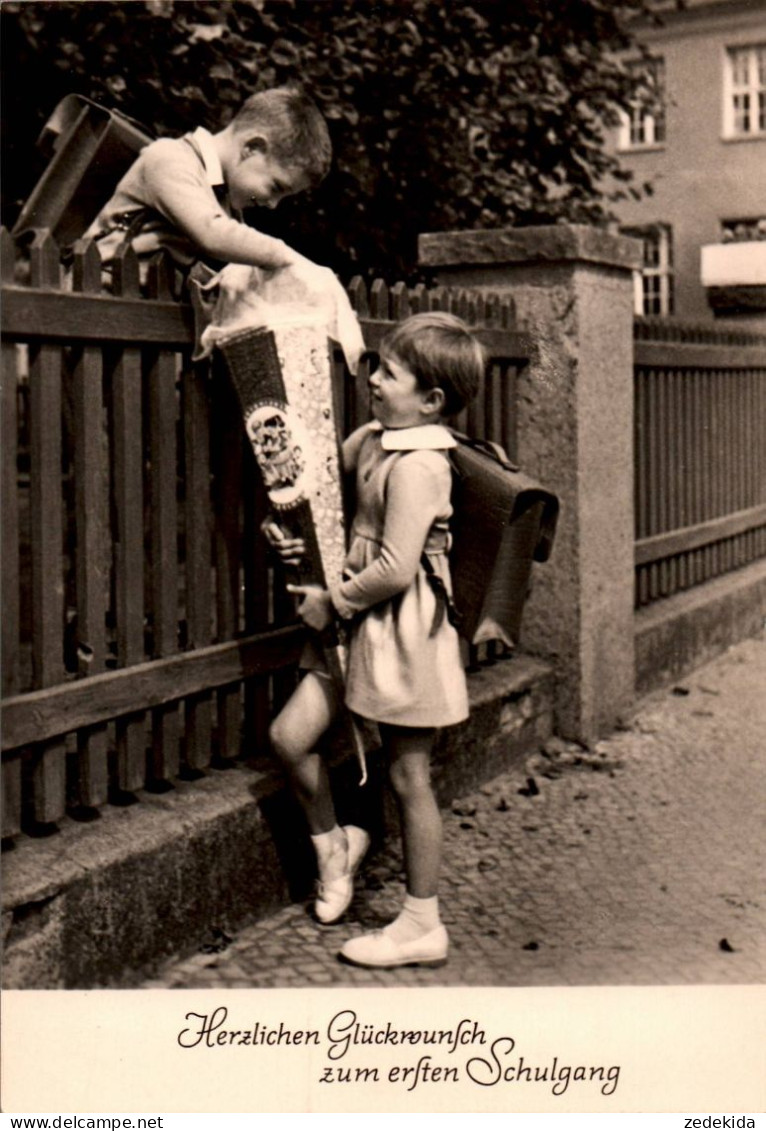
(181, 193)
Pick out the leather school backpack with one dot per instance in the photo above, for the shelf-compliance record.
(502, 522)
(88, 148)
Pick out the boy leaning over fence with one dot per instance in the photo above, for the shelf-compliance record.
(187, 194)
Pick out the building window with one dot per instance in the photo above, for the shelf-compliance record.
(745, 91)
(743, 230)
(643, 126)
(653, 285)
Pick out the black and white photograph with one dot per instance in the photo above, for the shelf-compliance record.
(384, 556)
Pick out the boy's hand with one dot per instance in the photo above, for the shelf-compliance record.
(315, 609)
(290, 550)
(302, 280)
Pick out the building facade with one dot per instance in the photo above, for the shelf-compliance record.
(697, 134)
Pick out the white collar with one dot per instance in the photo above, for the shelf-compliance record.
(421, 437)
(210, 159)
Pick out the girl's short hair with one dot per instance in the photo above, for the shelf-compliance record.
(441, 352)
(293, 124)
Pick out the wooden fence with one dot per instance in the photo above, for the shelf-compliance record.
(146, 633)
(700, 454)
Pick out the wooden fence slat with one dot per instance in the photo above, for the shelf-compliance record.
(753, 438)
(507, 312)
(227, 460)
(461, 305)
(91, 785)
(260, 580)
(400, 301)
(673, 486)
(161, 378)
(651, 457)
(12, 797)
(199, 722)
(418, 298)
(48, 764)
(476, 411)
(357, 293)
(641, 477)
(698, 490)
(703, 486)
(10, 542)
(45, 484)
(688, 450)
(127, 490)
(11, 592)
(683, 469)
(742, 454)
(491, 313)
(640, 425)
(495, 405)
(508, 409)
(729, 473)
(709, 465)
(379, 307)
(758, 400)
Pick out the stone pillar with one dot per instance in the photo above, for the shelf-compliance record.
(573, 292)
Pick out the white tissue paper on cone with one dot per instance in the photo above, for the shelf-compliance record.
(241, 298)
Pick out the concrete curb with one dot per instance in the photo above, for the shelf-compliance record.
(679, 634)
(103, 904)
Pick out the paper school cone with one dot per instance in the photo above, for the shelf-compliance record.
(283, 381)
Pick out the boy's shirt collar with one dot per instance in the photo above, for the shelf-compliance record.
(203, 139)
(421, 437)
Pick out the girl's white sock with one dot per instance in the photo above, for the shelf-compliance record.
(332, 853)
(417, 918)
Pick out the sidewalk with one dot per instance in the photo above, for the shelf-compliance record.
(640, 862)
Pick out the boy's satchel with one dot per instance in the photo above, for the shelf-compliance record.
(502, 522)
(90, 148)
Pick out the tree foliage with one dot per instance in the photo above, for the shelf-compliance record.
(443, 114)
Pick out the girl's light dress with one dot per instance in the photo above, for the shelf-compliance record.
(405, 666)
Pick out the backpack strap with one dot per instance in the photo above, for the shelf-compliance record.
(489, 447)
(444, 602)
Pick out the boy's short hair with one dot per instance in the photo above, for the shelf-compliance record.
(293, 124)
(440, 351)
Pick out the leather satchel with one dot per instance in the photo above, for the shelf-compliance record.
(502, 522)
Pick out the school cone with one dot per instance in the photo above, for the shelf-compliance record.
(283, 381)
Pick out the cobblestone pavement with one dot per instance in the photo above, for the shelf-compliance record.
(638, 862)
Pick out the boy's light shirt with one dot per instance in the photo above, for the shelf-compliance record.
(420, 437)
(210, 159)
(178, 183)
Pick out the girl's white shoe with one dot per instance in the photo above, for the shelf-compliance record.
(334, 896)
(379, 949)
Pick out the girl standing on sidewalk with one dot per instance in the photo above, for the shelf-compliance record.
(405, 670)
